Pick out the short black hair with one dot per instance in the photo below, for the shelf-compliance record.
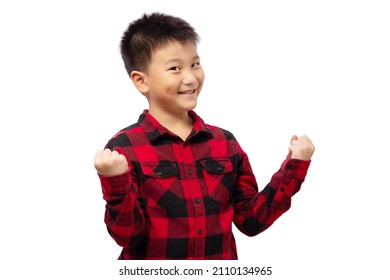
(152, 31)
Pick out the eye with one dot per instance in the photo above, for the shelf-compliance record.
(196, 65)
(174, 68)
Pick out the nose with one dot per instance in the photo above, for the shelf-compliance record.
(189, 78)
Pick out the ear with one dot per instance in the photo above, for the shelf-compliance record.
(139, 80)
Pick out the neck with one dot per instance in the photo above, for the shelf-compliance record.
(169, 119)
(180, 124)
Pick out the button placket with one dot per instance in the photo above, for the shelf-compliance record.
(189, 171)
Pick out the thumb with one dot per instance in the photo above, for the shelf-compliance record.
(294, 137)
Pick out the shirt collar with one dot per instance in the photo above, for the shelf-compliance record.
(154, 129)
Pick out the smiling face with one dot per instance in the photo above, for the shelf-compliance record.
(174, 79)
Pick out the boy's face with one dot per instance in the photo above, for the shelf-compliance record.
(174, 78)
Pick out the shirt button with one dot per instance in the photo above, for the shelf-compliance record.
(189, 171)
(197, 200)
(282, 189)
(219, 169)
(290, 167)
(200, 232)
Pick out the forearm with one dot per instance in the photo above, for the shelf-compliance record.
(123, 216)
(256, 212)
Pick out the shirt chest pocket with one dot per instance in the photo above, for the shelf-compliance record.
(160, 185)
(219, 178)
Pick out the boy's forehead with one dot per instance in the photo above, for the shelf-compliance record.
(171, 45)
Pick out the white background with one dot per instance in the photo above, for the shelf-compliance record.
(273, 69)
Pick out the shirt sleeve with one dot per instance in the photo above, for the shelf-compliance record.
(256, 211)
(124, 216)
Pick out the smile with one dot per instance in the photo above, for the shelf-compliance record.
(187, 91)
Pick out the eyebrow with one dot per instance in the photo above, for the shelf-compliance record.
(173, 60)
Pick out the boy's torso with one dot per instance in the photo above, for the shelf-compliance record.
(186, 189)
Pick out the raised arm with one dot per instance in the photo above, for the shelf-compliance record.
(256, 211)
(123, 216)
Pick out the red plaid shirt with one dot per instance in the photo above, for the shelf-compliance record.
(179, 199)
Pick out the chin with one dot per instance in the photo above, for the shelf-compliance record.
(190, 107)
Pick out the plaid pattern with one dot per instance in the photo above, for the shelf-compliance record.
(180, 199)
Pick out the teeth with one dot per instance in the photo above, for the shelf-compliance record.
(186, 92)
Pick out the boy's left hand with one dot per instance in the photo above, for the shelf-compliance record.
(301, 147)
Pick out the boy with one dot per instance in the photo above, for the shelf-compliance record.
(174, 184)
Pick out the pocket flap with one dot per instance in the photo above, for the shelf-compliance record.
(159, 170)
(218, 166)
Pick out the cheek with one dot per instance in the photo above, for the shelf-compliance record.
(167, 84)
(171, 87)
(201, 76)
(201, 80)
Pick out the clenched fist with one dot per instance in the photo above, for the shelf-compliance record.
(108, 163)
(301, 147)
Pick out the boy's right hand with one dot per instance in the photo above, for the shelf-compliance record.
(110, 163)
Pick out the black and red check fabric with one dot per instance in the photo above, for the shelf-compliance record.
(179, 199)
